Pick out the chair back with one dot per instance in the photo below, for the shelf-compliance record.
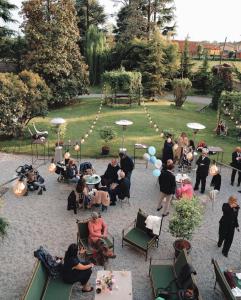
(83, 229)
(37, 283)
(140, 221)
(220, 278)
(180, 262)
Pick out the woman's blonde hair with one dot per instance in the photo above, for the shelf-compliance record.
(237, 149)
(232, 200)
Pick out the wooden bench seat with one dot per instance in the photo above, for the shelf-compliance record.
(44, 287)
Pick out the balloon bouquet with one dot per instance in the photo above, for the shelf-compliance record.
(150, 156)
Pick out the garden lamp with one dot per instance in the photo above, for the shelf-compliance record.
(20, 187)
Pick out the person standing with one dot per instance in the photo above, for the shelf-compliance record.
(203, 163)
(126, 164)
(167, 150)
(236, 163)
(167, 182)
(227, 224)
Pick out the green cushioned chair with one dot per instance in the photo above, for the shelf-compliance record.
(44, 287)
(83, 234)
(220, 278)
(139, 236)
(164, 277)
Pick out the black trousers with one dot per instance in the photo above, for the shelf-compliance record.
(228, 239)
(233, 176)
(203, 183)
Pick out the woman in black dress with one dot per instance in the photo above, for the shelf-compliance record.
(228, 223)
(76, 271)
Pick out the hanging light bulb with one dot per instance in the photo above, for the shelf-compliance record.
(20, 188)
(151, 122)
(90, 131)
(94, 122)
(52, 166)
(155, 126)
(86, 135)
(67, 155)
(175, 147)
(157, 129)
(82, 141)
(76, 147)
(161, 134)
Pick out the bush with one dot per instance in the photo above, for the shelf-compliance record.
(187, 216)
(107, 133)
(180, 90)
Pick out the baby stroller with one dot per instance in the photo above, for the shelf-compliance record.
(61, 171)
(34, 180)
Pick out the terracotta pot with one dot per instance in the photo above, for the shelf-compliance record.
(105, 150)
(179, 245)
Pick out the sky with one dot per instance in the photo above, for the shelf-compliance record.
(210, 20)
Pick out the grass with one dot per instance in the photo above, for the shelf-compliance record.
(80, 116)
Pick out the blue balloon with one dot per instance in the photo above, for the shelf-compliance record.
(152, 150)
(156, 172)
(153, 160)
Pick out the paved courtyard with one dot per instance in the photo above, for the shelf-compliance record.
(44, 220)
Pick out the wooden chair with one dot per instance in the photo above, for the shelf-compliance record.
(139, 236)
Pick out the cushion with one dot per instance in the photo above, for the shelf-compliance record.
(137, 238)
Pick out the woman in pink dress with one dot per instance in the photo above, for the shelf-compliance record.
(185, 190)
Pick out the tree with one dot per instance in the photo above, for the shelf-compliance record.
(186, 65)
(199, 51)
(52, 35)
(22, 97)
(180, 90)
(202, 79)
(90, 13)
(5, 16)
(131, 22)
(96, 53)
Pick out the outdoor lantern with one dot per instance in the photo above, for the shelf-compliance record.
(20, 188)
(189, 156)
(94, 122)
(52, 166)
(157, 129)
(90, 131)
(86, 135)
(161, 134)
(175, 147)
(155, 126)
(213, 170)
(76, 147)
(67, 155)
(82, 141)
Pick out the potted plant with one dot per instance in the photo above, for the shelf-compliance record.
(107, 134)
(187, 216)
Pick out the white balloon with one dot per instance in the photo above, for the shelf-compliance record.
(158, 164)
(146, 156)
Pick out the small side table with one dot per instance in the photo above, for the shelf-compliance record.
(217, 150)
(138, 147)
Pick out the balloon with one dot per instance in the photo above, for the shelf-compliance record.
(152, 150)
(146, 156)
(153, 160)
(156, 172)
(158, 164)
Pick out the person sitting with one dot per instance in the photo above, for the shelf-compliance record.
(86, 168)
(122, 189)
(126, 164)
(97, 234)
(185, 190)
(110, 176)
(83, 192)
(72, 171)
(35, 181)
(76, 271)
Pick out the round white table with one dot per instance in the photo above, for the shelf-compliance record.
(124, 124)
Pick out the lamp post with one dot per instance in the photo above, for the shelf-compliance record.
(57, 122)
(124, 124)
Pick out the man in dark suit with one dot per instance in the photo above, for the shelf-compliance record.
(236, 163)
(167, 182)
(126, 164)
(203, 163)
(121, 190)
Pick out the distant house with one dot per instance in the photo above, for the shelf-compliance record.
(213, 50)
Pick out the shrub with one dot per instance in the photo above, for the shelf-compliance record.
(187, 216)
(107, 133)
(180, 90)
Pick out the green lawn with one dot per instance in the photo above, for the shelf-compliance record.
(80, 116)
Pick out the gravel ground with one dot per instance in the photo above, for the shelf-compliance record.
(43, 220)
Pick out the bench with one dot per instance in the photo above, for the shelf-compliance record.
(222, 282)
(43, 287)
(164, 278)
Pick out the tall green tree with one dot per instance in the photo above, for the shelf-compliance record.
(5, 17)
(89, 12)
(96, 53)
(52, 38)
(203, 77)
(131, 21)
(186, 64)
